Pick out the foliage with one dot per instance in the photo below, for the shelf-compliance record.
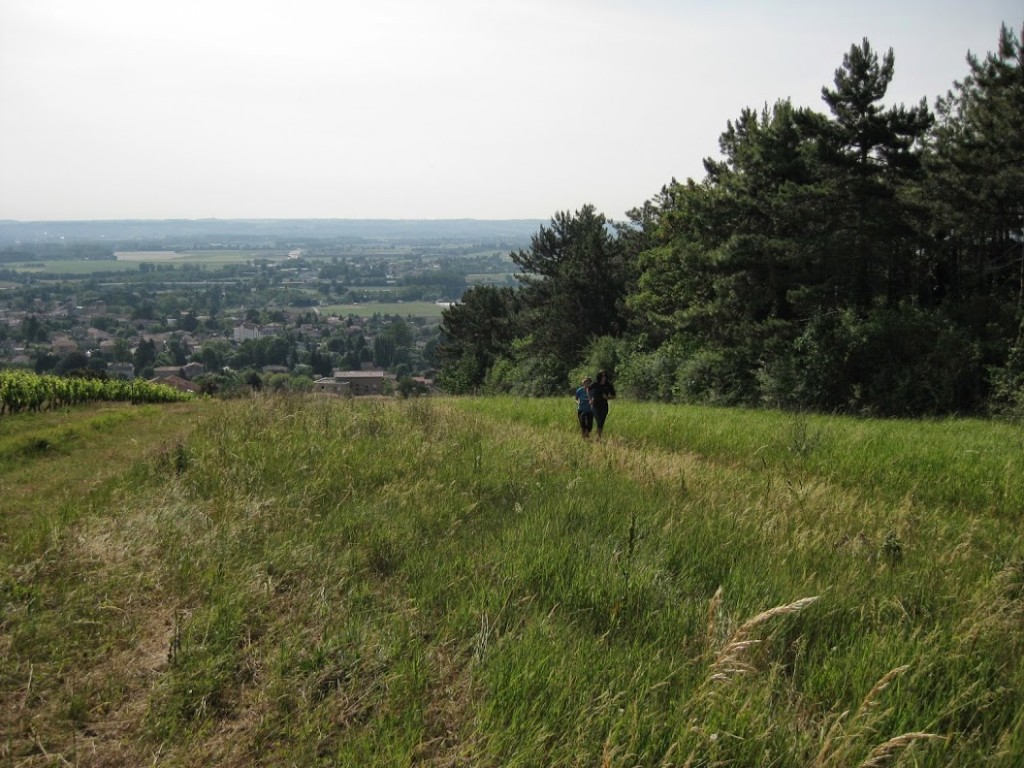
(651, 375)
(894, 361)
(20, 391)
(869, 259)
(976, 179)
(604, 353)
(476, 332)
(1008, 382)
(573, 284)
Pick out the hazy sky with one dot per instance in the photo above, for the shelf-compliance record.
(419, 108)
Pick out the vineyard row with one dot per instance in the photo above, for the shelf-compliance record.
(21, 391)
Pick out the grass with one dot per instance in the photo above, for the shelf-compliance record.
(489, 278)
(304, 581)
(214, 256)
(129, 261)
(76, 268)
(426, 309)
(951, 462)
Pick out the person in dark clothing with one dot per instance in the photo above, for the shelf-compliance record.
(584, 411)
(601, 391)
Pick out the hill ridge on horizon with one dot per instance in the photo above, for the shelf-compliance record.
(168, 219)
(14, 231)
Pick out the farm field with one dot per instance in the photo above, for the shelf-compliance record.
(129, 261)
(465, 582)
(218, 257)
(427, 309)
(78, 268)
(489, 278)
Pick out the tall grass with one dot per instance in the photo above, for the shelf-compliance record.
(465, 582)
(968, 463)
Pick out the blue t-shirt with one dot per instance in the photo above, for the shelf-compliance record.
(583, 401)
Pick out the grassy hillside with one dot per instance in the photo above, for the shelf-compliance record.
(467, 583)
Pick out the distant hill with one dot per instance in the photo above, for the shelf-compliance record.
(268, 229)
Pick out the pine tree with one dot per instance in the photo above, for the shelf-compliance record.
(976, 180)
(476, 332)
(574, 281)
(872, 154)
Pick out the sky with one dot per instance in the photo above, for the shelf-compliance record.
(420, 109)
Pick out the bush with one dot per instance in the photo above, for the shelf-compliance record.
(538, 377)
(650, 375)
(1007, 382)
(604, 353)
(719, 377)
(820, 362)
(901, 361)
(502, 379)
(462, 377)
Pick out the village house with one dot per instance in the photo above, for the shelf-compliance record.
(191, 370)
(178, 383)
(246, 332)
(165, 371)
(62, 345)
(331, 386)
(354, 383)
(255, 332)
(188, 371)
(121, 371)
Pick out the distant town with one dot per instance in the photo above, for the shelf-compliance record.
(224, 307)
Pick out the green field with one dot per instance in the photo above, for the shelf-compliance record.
(427, 309)
(129, 261)
(217, 257)
(488, 278)
(74, 268)
(465, 582)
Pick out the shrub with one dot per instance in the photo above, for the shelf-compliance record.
(902, 361)
(651, 375)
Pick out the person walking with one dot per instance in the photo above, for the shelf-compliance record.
(584, 409)
(601, 391)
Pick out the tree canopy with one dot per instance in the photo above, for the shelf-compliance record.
(866, 258)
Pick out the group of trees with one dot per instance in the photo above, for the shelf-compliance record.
(866, 259)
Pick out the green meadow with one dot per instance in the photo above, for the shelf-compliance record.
(465, 582)
(214, 256)
(427, 309)
(490, 278)
(75, 268)
(129, 261)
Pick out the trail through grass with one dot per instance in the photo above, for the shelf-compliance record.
(308, 581)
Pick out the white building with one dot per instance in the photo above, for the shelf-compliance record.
(246, 332)
(353, 383)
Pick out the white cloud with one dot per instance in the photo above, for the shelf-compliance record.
(402, 108)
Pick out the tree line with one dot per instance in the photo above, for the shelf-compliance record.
(865, 259)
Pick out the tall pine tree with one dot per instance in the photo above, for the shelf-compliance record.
(871, 153)
(976, 178)
(574, 279)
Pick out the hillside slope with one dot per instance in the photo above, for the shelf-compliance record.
(300, 581)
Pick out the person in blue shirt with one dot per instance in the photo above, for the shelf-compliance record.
(584, 408)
